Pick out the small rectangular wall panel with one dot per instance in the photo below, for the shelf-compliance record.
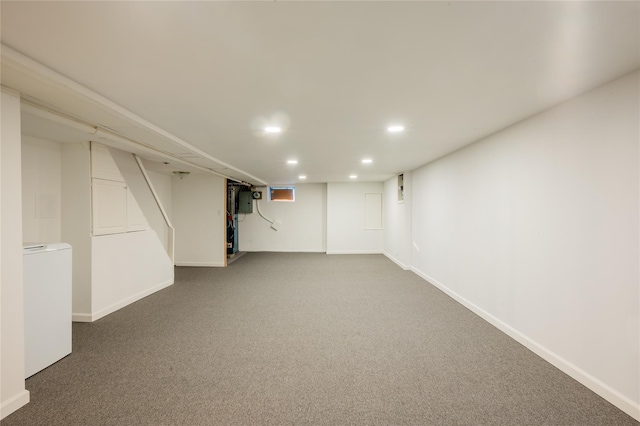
(372, 211)
(102, 164)
(109, 207)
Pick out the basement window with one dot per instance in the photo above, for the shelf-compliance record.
(282, 193)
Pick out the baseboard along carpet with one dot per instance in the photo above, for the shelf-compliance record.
(303, 339)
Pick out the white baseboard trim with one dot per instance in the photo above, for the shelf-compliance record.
(201, 264)
(396, 261)
(121, 304)
(76, 317)
(354, 252)
(15, 402)
(605, 391)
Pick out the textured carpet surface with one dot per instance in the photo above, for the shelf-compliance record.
(303, 339)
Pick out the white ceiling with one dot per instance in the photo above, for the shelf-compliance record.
(333, 74)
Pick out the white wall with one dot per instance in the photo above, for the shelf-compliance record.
(76, 222)
(536, 229)
(128, 266)
(143, 196)
(125, 268)
(13, 394)
(345, 219)
(199, 219)
(109, 271)
(304, 222)
(397, 221)
(162, 185)
(41, 190)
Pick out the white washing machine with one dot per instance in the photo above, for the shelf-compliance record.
(47, 304)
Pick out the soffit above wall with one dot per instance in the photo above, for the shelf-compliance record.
(44, 91)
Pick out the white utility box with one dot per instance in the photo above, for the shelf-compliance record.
(47, 305)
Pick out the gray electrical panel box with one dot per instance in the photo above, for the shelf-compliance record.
(245, 202)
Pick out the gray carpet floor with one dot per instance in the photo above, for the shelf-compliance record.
(303, 339)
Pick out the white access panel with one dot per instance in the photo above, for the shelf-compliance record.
(47, 305)
(372, 211)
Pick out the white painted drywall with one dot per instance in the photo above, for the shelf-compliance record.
(41, 190)
(109, 271)
(397, 222)
(76, 222)
(162, 185)
(346, 231)
(119, 194)
(138, 186)
(128, 266)
(125, 268)
(199, 205)
(536, 228)
(373, 210)
(304, 222)
(13, 394)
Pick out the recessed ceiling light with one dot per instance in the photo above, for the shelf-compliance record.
(367, 161)
(292, 161)
(396, 128)
(272, 129)
(302, 177)
(353, 177)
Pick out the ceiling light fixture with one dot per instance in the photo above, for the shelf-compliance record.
(272, 129)
(181, 174)
(367, 161)
(292, 161)
(395, 129)
(302, 177)
(353, 177)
